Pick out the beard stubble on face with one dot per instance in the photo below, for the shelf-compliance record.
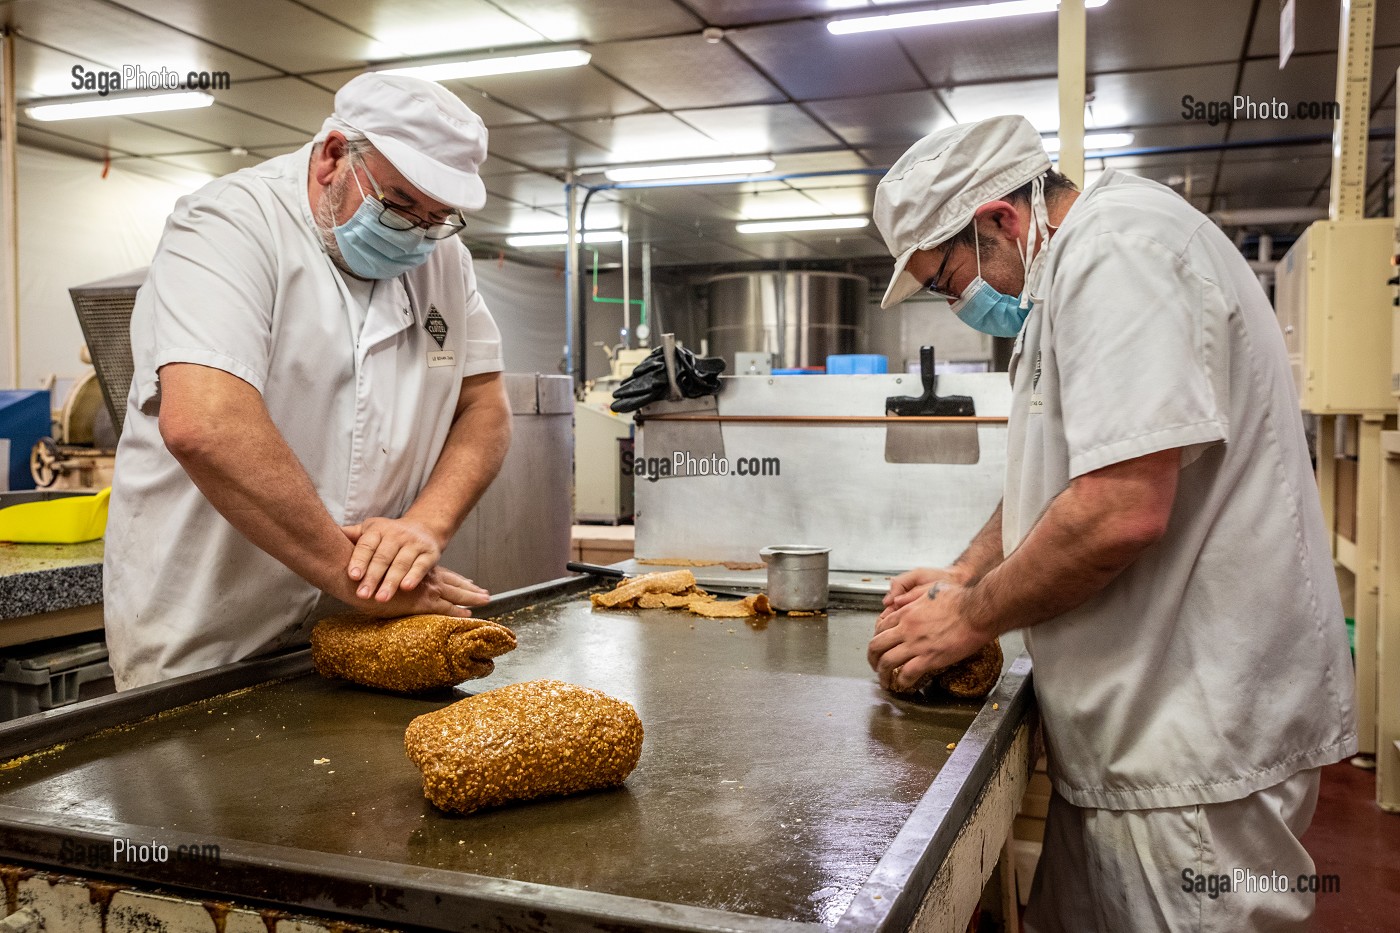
(332, 199)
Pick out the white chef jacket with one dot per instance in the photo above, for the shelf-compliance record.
(1217, 664)
(240, 282)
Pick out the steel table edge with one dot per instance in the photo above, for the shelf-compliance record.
(369, 890)
(890, 897)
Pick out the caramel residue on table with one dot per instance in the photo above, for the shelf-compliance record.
(676, 589)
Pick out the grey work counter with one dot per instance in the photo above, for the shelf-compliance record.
(778, 788)
(37, 578)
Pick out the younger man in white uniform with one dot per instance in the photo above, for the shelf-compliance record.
(1160, 538)
(317, 401)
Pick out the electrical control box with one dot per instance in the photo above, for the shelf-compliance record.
(1335, 309)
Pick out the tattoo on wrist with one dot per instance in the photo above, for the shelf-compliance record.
(933, 590)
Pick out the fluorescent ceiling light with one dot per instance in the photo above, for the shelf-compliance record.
(1094, 141)
(809, 223)
(115, 106)
(502, 65)
(562, 238)
(948, 14)
(691, 170)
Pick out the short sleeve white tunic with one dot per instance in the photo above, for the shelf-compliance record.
(364, 397)
(1217, 664)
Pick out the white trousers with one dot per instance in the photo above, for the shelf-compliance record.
(1210, 868)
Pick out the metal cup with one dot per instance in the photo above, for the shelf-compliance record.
(797, 576)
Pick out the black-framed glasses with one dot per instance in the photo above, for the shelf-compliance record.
(932, 285)
(395, 217)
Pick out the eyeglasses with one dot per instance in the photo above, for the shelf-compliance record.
(932, 285)
(396, 217)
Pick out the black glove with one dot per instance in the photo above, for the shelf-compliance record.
(696, 376)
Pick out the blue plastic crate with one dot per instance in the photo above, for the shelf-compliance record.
(857, 364)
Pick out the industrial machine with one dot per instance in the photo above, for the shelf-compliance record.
(800, 318)
(82, 451)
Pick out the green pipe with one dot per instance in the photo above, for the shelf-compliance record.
(613, 301)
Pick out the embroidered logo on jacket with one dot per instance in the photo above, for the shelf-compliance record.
(436, 326)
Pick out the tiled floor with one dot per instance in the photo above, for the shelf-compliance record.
(1355, 839)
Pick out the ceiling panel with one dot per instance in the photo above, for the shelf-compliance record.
(959, 53)
(1037, 101)
(120, 135)
(565, 93)
(493, 112)
(600, 20)
(809, 62)
(834, 161)
(417, 28)
(852, 199)
(43, 72)
(1145, 97)
(223, 126)
(648, 137)
(775, 205)
(541, 145)
(1317, 25)
(281, 34)
(685, 71)
(1125, 36)
(529, 188)
(760, 128)
(287, 100)
(742, 12)
(884, 119)
(102, 32)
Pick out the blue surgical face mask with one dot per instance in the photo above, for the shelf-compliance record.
(374, 251)
(983, 308)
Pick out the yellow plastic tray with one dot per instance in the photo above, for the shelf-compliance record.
(57, 521)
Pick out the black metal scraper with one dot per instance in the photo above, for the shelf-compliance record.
(931, 441)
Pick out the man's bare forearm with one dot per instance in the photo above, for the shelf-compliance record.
(476, 447)
(218, 428)
(1090, 533)
(985, 552)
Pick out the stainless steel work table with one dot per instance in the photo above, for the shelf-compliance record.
(778, 787)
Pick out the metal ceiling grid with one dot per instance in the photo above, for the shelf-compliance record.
(774, 81)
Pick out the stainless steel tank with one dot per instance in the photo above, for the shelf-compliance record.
(799, 317)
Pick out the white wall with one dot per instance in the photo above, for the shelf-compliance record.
(527, 303)
(74, 227)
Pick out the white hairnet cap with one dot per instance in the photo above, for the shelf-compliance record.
(933, 190)
(430, 136)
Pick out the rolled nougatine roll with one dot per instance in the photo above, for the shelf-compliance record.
(407, 655)
(543, 738)
(975, 675)
(971, 678)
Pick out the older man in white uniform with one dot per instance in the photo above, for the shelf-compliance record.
(317, 401)
(1160, 539)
